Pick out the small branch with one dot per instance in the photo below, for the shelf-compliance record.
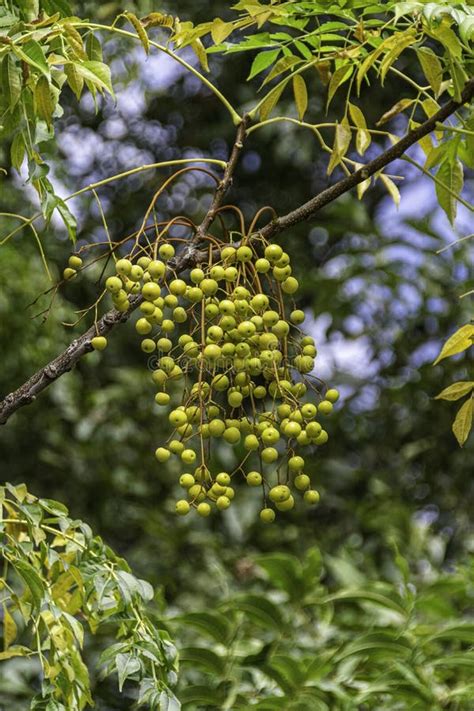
(309, 209)
(189, 257)
(226, 181)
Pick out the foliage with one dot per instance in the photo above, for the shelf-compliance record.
(290, 640)
(58, 578)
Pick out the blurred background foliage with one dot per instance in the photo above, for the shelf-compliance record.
(380, 301)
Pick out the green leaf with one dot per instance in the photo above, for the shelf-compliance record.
(342, 140)
(284, 571)
(74, 79)
(32, 580)
(32, 53)
(200, 53)
(363, 138)
(260, 610)
(211, 624)
(202, 658)
(126, 665)
(340, 76)
(262, 61)
(366, 596)
(15, 651)
(271, 100)
(220, 30)
(460, 341)
(450, 173)
(463, 422)
(53, 507)
(11, 81)
(97, 73)
(394, 110)
(301, 95)
(432, 68)
(17, 151)
(456, 390)
(44, 99)
(9, 628)
(392, 189)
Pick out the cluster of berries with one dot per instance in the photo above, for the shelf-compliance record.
(226, 334)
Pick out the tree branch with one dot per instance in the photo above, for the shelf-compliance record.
(189, 257)
(309, 209)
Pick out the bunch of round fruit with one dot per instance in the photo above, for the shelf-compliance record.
(226, 333)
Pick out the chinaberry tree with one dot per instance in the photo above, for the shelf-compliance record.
(215, 295)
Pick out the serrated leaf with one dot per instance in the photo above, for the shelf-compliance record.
(451, 175)
(463, 422)
(340, 76)
(456, 390)
(74, 79)
(363, 138)
(366, 596)
(11, 81)
(32, 53)
(460, 341)
(262, 61)
(139, 29)
(17, 151)
(300, 93)
(32, 580)
(394, 110)
(44, 100)
(127, 665)
(93, 48)
(392, 189)
(97, 73)
(9, 628)
(271, 100)
(282, 65)
(432, 68)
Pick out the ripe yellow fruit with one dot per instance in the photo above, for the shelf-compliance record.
(254, 478)
(311, 496)
(162, 454)
(267, 515)
(182, 507)
(286, 505)
(302, 481)
(74, 262)
(99, 343)
(204, 509)
(279, 493)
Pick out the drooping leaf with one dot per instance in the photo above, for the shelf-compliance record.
(139, 29)
(300, 93)
(463, 422)
(432, 68)
(392, 189)
(451, 177)
(363, 138)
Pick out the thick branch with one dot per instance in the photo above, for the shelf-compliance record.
(189, 257)
(309, 209)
